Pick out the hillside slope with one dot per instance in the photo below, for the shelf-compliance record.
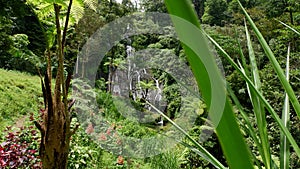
(20, 94)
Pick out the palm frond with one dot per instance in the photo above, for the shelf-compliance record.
(77, 11)
(91, 4)
(44, 10)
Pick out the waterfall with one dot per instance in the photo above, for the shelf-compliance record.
(135, 81)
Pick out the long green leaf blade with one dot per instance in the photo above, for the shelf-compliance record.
(275, 63)
(292, 29)
(266, 103)
(237, 154)
(284, 144)
(248, 126)
(258, 107)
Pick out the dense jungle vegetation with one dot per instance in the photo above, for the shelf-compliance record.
(42, 72)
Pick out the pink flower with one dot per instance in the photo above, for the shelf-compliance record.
(89, 129)
(102, 137)
(108, 131)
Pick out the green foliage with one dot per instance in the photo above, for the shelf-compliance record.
(22, 58)
(226, 37)
(170, 159)
(234, 6)
(24, 21)
(84, 152)
(191, 159)
(199, 7)
(278, 7)
(215, 12)
(154, 6)
(258, 106)
(22, 38)
(45, 10)
(106, 11)
(22, 45)
(278, 121)
(6, 41)
(276, 66)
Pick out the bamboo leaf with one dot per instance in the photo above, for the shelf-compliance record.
(242, 56)
(210, 83)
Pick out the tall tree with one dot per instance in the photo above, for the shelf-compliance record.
(55, 126)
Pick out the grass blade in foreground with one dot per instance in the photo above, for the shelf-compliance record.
(292, 29)
(275, 63)
(258, 107)
(247, 126)
(237, 154)
(266, 103)
(284, 144)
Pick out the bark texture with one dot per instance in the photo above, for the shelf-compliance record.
(55, 125)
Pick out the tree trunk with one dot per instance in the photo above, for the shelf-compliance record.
(55, 125)
(55, 130)
(54, 148)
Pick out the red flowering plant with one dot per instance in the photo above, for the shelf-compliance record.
(20, 149)
(107, 136)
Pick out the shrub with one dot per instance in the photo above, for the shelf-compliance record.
(19, 150)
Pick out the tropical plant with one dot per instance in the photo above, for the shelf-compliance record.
(55, 126)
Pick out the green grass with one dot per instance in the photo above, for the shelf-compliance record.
(20, 94)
